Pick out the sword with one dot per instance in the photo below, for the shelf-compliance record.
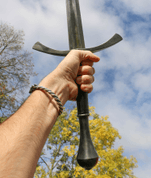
(87, 156)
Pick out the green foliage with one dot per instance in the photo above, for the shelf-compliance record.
(63, 143)
(16, 67)
(2, 119)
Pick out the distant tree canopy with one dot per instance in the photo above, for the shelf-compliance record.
(16, 67)
(59, 156)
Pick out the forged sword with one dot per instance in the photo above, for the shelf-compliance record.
(87, 156)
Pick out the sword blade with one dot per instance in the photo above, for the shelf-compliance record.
(75, 30)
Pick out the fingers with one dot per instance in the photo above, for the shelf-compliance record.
(85, 79)
(87, 88)
(85, 76)
(86, 70)
(85, 82)
(84, 87)
(87, 62)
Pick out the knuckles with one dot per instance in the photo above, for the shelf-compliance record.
(85, 79)
(86, 70)
(87, 88)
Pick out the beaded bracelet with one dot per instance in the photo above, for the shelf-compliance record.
(36, 87)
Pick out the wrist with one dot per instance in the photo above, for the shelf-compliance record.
(57, 85)
(47, 91)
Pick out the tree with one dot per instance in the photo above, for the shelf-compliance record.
(16, 67)
(62, 146)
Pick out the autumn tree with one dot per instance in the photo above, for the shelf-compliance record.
(16, 67)
(62, 146)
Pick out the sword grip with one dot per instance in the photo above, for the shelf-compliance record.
(82, 103)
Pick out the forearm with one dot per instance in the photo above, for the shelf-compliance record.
(24, 134)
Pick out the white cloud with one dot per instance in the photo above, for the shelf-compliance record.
(142, 82)
(135, 131)
(138, 6)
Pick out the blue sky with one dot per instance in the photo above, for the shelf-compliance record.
(122, 87)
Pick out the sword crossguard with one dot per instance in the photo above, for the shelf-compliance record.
(40, 47)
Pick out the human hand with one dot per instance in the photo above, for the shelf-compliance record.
(64, 79)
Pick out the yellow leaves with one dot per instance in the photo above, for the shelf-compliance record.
(63, 166)
(76, 124)
(66, 133)
(111, 162)
(102, 131)
(38, 168)
(73, 115)
(69, 150)
(40, 172)
(64, 129)
(103, 176)
(114, 163)
(65, 122)
(77, 172)
(63, 174)
(105, 118)
(76, 138)
(92, 110)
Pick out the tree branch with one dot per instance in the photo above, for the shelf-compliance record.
(3, 49)
(45, 163)
(56, 156)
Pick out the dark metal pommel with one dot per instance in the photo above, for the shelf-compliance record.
(87, 156)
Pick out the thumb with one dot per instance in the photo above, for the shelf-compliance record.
(84, 55)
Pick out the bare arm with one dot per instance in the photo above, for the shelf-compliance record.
(23, 135)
